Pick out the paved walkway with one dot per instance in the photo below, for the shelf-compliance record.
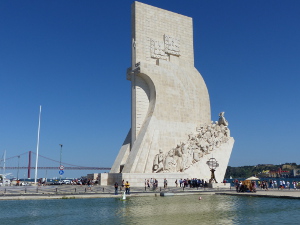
(77, 191)
(272, 193)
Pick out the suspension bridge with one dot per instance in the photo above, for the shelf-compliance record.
(29, 167)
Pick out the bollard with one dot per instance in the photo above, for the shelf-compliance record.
(25, 190)
(145, 188)
(75, 190)
(37, 190)
(56, 190)
(103, 189)
(5, 190)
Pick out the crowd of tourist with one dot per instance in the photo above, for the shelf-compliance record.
(266, 185)
(281, 184)
(183, 183)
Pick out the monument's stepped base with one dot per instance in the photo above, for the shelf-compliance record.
(198, 170)
(138, 179)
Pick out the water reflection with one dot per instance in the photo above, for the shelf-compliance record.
(211, 209)
(178, 209)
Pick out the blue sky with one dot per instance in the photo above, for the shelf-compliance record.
(71, 57)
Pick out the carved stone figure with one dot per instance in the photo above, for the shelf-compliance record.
(197, 155)
(184, 156)
(222, 120)
(170, 163)
(227, 132)
(158, 162)
(178, 158)
(207, 139)
(190, 152)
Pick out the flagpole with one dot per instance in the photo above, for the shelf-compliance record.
(37, 145)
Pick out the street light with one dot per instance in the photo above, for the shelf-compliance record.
(18, 168)
(212, 164)
(60, 158)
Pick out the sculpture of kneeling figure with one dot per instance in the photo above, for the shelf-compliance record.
(158, 162)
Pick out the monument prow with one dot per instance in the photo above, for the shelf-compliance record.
(171, 129)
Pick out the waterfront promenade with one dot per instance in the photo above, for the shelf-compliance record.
(271, 193)
(77, 191)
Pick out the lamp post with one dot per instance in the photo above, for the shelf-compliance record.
(60, 157)
(18, 168)
(212, 164)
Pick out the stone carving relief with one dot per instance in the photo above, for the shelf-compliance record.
(158, 50)
(206, 139)
(162, 49)
(172, 45)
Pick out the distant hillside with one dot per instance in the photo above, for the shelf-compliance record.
(261, 170)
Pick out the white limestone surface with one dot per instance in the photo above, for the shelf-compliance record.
(170, 101)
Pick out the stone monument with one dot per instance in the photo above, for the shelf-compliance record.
(171, 133)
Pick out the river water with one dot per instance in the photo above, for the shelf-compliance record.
(211, 209)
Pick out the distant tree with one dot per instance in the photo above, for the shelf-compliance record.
(247, 171)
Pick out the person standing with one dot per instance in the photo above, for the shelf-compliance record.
(294, 185)
(271, 184)
(151, 182)
(116, 188)
(283, 184)
(280, 184)
(288, 185)
(127, 188)
(122, 186)
(89, 183)
(165, 183)
(156, 183)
